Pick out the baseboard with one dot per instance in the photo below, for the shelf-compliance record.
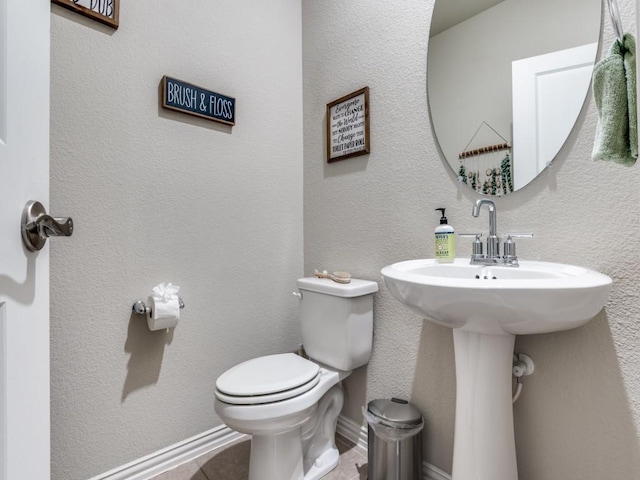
(358, 434)
(163, 460)
(429, 472)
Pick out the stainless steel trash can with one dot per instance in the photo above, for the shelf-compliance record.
(395, 443)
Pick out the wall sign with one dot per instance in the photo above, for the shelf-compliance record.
(348, 126)
(103, 11)
(187, 98)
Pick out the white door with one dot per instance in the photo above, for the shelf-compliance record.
(548, 94)
(24, 276)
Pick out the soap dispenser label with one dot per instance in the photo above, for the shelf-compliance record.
(444, 246)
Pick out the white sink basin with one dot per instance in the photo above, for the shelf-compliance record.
(536, 297)
(486, 306)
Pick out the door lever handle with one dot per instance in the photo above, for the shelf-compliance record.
(53, 227)
(37, 226)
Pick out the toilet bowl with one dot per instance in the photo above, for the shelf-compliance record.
(290, 404)
(292, 429)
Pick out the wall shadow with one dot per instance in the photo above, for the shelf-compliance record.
(230, 463)
(574, 418)
(355, 393)
(24, 291)
(347, 166)
(146, 349)
(433, 392)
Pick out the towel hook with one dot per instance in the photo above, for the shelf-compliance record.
(615, 19)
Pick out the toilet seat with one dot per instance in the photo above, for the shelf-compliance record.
(272, 378)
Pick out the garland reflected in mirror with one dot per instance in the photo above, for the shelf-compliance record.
(506, 80)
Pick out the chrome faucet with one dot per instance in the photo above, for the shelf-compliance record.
(493, 256)
(493, 241)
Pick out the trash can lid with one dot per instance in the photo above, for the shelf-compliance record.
(396, 410)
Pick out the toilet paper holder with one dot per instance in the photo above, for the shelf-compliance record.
(141, 308)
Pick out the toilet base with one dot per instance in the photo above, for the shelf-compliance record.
(293, 439)
(323, 464)
(306, 452)
(320, 454)
(280, 457)
(276, 456)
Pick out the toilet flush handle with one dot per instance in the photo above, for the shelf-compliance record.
(298, 295)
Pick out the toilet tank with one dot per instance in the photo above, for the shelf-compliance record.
(337, 321)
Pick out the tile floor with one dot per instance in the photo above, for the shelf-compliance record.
(232, 463)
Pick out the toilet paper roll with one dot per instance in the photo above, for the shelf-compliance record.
(163, 313)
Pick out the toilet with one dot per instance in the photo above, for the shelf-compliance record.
(290, 404)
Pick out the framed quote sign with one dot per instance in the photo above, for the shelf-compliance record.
(348, 126)
(103, 11)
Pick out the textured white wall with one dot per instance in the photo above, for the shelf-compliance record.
(158, 196)
(579, 415)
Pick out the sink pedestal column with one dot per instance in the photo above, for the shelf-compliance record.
(484, 445)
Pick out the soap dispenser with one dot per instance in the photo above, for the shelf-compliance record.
(445, 240)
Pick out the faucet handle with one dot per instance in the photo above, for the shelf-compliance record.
(510, 257)
(519, 235)
(476, 248)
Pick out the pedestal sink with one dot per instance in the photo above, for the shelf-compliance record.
(486, 306)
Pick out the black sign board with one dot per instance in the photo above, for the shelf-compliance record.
(187, 98)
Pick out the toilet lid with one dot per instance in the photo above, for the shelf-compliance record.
(267, 379)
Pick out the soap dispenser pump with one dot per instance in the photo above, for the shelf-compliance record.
(445, 240)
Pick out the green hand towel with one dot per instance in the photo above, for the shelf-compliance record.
(614, 89)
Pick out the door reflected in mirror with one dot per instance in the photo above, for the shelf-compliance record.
(506, 80)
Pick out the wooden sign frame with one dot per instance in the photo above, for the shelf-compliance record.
(348, 126)
(93, 9)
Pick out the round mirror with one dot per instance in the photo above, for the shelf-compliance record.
(506, 80)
